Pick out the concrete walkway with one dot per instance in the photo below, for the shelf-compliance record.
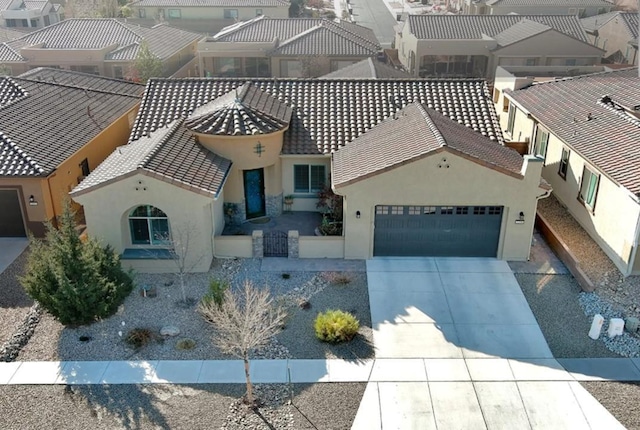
(466, 327)
(381, 370)
(10, 249)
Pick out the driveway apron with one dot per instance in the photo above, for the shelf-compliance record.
(484, 358)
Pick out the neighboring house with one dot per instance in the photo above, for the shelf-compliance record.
(105, 47)
(56, 127)
(580, 8)
(368, 68)
(7, 34)
(293, 47)
(205, 16)
(617, 34)
(474, 45)
(415, 165)
(587, 130)
(30, 14)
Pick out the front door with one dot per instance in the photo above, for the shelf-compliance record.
(254, 193)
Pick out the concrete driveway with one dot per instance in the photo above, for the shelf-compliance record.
(450, 308)
(457, 347)
(375, 15)
(10, 249)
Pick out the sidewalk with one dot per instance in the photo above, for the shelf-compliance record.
(319, 371)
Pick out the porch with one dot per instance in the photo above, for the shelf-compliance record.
(304, 222)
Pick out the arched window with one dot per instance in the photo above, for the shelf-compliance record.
(149, 226)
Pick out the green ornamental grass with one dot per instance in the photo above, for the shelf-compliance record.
(336, 326)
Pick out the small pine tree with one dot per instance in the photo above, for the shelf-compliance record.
(77, 281)
(146, 66)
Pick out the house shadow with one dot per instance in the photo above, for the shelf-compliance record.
(12, 294)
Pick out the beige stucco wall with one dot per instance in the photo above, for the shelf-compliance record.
(233, 246)
(321, 247)
(464, 183)
(210, 12)
(302, 202)
(614, 221)
(107, 208)
(614, 36)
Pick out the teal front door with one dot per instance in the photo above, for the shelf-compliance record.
(254, 193)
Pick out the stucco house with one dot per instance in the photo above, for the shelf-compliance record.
(412, 157)
(205, 16)
(57, 126)
(581, 8)
(586, 129)
(474, 45)
(617, 34)
(293, 47)
(29, 14)
(104, 47)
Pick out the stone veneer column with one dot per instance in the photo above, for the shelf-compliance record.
(274, 205)
(293, 244)
(257, 241)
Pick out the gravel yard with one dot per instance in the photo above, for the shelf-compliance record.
(620, 399)
(52, 341)
(14, 302)
(554, 302)
(609, 282)
(192, 407)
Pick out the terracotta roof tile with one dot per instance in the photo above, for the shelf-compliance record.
(62, 113)
(478, 26)
(609, 139)
(171, 154)
(413, 133)
(246, 110)
(327, 113)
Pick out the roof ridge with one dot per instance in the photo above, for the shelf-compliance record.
(429, 121)
(79, 87)
(338, 25)
(610, 106)
(587, 75)
(238, 26)
(172, 128)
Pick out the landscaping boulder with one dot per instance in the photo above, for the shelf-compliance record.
(169, 330)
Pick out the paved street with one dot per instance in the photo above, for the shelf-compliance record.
(375, 15)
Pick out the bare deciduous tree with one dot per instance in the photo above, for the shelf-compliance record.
(245, 322)
(182, 252)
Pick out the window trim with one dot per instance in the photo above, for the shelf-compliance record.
(228, 15)
(511, 119)
(564, 162)
(536, 143)
(149, 219)
(309, 189)
(174, 14)
(592, 174)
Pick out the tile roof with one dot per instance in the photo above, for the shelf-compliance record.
(367, 68)
(51, 121)
(477, 26)
(83, 80)
(629, 19)
(34, 5)
(7, 34)
(246, 110)
(210, 3)
(171, 154)
(303, 36)
(99, 33)
(10, 91)
(520, 31)
(609, 140)
(328, 38)
(413, 133)
(568, 3)
(327, 113)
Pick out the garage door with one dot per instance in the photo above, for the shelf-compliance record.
(446, 231)
(11, 224)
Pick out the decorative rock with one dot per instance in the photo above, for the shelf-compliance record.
(169, 330)
(304, 304)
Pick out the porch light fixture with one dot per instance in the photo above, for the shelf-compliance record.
(358, 214)
(520, 219)
(32, 201)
